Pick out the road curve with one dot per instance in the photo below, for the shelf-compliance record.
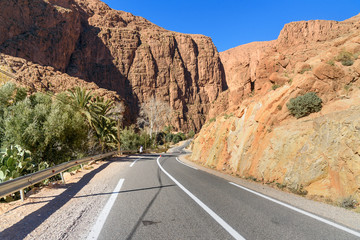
(162, 198)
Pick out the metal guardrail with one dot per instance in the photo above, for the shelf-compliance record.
(22, 182)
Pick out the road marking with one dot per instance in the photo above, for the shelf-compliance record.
(301, 211)
(135, 162)
(186, 164)
(95, 231)
(222, 223)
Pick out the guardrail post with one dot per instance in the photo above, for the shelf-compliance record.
(62, 178)
(22, 195)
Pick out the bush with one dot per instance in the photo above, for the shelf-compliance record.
(304, 105)
(177, 138)
(346, 58)
(129, 139)
(275, 86)
(169, 137)
(191, 134)
(52, 131)
(349, 203)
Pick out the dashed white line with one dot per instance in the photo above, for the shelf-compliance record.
(216, 217)
(132, 164)
(300, 211)
(186, 164)
(95, 231)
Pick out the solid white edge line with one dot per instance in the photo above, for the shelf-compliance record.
(222, 223)
(300, 211)
(95, 231)
(186, 164)
(132, 164)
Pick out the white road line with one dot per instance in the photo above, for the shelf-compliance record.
(95, 231)
(135, 162)
(222, 223)
(186, 164)
(301, 211)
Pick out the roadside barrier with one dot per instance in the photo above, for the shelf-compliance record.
(20, 183)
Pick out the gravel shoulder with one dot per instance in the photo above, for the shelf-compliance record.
(336, 214)
(63, 211)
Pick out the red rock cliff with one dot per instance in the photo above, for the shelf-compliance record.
(256, 137)
(117, 51)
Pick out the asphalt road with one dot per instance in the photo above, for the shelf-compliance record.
(161, 198)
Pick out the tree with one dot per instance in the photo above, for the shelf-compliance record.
(154, 114)
(102, 123)
(98, 113)
(117, 113)
(79, 99)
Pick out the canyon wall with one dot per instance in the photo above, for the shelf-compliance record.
(256, 137)
(117, 51)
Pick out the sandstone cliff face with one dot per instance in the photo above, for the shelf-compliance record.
(256, 137)
(117, 51)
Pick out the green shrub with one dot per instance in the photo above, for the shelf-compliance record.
(331, 62)
(346, 58)
(212, 120)
(176, 139)
(129, 139)
(275, 86)
(304, 105)
(347, 62)
(227, 116)
(191, 134)
(349, 203)
(169, 137)
(305, 70)
(52, 131)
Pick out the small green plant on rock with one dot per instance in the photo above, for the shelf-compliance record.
(275, 86)
(347, 87)
(346, 58)
(305, 70)
(302, 106)
(331, 62)
(227, 116)
(212, 120)
(191, 134)
(349, 203)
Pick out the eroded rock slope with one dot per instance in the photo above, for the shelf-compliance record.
(257, 138)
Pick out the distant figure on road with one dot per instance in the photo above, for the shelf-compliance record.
(141, 149)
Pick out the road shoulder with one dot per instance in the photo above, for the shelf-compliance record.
(339, 215)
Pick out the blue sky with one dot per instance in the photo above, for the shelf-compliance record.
(231, 23)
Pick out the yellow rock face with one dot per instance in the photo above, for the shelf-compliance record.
(319, 154)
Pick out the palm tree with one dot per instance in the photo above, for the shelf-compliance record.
(97, 111)
(79, 99)
(102, 123)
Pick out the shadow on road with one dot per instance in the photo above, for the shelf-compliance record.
(29, 223)
(140, 220)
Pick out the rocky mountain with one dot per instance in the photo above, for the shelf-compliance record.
(86, 41)
(256, 137)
